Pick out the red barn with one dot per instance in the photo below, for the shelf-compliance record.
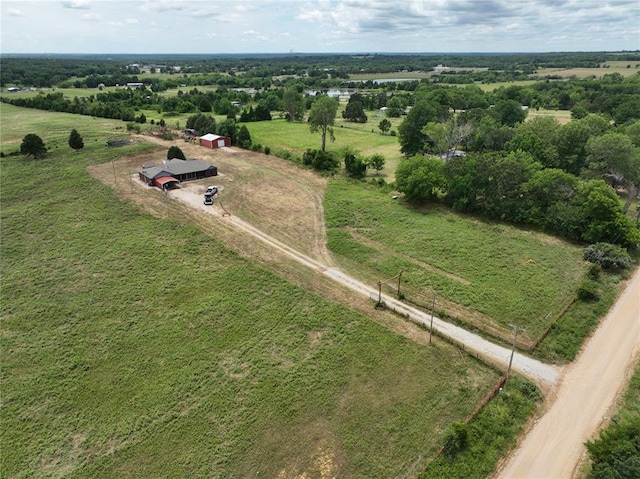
(214, 141)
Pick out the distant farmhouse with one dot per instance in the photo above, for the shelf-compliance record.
(172, 172)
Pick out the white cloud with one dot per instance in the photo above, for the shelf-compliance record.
(257, 35)
(76, 4)
(168, 6)
(14, 12)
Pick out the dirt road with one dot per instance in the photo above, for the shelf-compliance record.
(583, 401)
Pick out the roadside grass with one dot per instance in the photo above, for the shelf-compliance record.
(566, 336)
(491, 434)
(509, 275)
(140, 347)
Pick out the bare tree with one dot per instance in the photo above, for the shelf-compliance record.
(446, 136)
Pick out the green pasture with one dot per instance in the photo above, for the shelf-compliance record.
(139, 347)
(510, 408)
(622, 64)
(615, 67)
(295, 137)
(510, 275)
(54, 128)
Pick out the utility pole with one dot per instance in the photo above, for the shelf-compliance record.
(399, 278)
(433, 306)
(513, 350)
(379, 292)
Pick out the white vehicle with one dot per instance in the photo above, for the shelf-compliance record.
(208, 199)
(212, 190)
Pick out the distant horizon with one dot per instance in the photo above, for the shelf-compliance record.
(286, 54)
(296, 27)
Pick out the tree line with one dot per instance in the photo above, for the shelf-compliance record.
(49, 71)
(559, 178)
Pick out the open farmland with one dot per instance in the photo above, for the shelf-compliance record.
(607, 69)
(138, 346)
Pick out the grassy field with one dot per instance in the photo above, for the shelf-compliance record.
(506, 274)
(139, 347)
(563, 116)
(612, 67)
(296, 138)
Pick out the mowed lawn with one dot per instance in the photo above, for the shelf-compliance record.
(513, 276)
(139, 347)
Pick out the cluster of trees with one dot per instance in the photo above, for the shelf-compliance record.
(80, 106)
(204, 123)
(560, 178)
(32, 145)
(260, 113)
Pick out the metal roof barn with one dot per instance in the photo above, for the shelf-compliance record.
(214, 141)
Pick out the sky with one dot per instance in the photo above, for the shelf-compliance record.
(318, 26)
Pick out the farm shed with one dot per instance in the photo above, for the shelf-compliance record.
(171, 172)
(214, 141)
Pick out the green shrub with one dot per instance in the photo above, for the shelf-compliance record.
(133, 127)
(616, 453)
(594, 271)
(607, 255)
(320, 160)
(456, 440)
(588, 290)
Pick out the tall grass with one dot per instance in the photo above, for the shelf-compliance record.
(508, 274)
